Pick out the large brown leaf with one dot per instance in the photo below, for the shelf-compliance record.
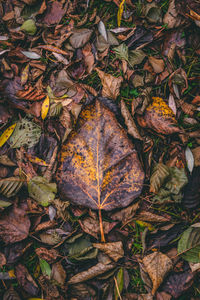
(14, 226)
(99, 165)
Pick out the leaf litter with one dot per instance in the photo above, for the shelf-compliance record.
(99, 149)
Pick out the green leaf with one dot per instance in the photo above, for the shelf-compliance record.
(189, 244)
(29, 27)
(45, 268)
(41, 190)
(80, 248)
(120, 283)
(26, 133)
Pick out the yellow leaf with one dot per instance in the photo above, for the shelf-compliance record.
(45, 108)
(6, 134)
(145, 224)
(24, 75)
(11, 273)
(120, 12)
(37, 160)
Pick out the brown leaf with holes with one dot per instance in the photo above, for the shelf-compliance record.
(111, 84)
(159, 117)
(157, 266)
(14, 225)
(99, 165)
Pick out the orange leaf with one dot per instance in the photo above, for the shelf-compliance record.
(45, 108)
(6, 134)
(37, 160)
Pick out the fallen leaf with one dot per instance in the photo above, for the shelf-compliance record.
(111, 84)
(120, 12)
(189, 159)
(158, 65)
(24, 75)
(99, 181)
(172, 18)
(11, 294)
(54, 13)
(45, 268)
(80, 37)
(102, 30)
(172, 103)
(6, 134)
(191, 198)
(131, 126)
(29, 27)
(14, 225)
(41, 190)
(159, 175)
(189, 244)
(91, 226)
(177, 284)
(58, 273)
(125, 214)
(26, 281)
(157, 266)
(45, 107)
(26, 133)
(31, 54)
(92, 272)
(114, 250)
(10, 186)
(119, 283)
(159, 117)
(196, 155)
(50, 255)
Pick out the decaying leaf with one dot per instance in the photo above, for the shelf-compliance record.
(41, 190)
(171, 190)
(189, 244)
(10, 186)
(14, 225)
(26, 133)
(58, 273)
(160, 173)
(99, 166)
(79, 248)
(111, 84)
(114, 250)
(132, 128)
(157, 266)
(159, 117)
(11, 294)
(191, 198)
(126, 214)
(26, 281)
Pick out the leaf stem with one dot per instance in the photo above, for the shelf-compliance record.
(101, 227)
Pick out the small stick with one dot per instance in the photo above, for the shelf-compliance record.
(101, 227)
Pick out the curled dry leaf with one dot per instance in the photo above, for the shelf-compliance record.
(111, 84)
(132, 128)
(125, 214)
(58, 273)
(14, 225)
(157, 266)
(50, 255)
(104, 171)
(172, 18)
(92, 272)
(159, 117)
(114, 250)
